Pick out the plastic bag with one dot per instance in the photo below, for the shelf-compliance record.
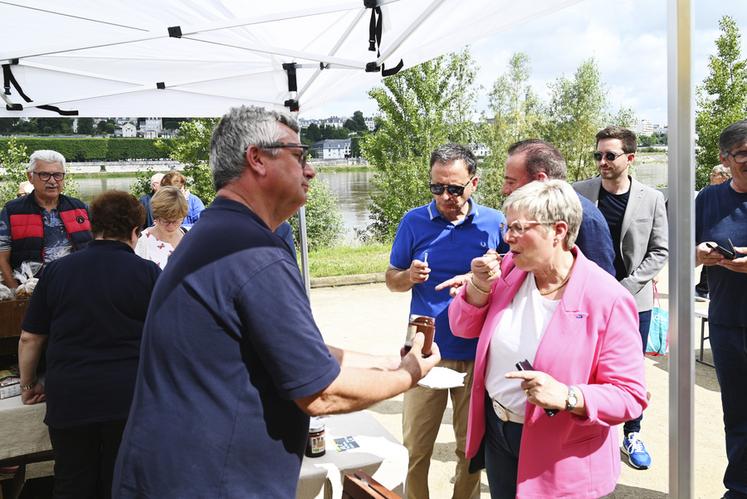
(5, 292)
(25, 276)
(658, 331)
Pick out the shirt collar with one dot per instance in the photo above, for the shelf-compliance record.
(433, 212)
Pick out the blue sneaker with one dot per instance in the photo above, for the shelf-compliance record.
(638, 457)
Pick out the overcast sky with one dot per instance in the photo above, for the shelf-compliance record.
(627, 38)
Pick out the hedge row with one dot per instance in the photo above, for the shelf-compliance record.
(94, 149)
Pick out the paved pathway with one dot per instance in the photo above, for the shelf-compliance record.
(370, 318)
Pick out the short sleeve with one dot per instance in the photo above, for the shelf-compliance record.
(37, 319)
(278, 323)
(4, 231)
(401, 254)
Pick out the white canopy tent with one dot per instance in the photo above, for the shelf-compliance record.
(200, 57)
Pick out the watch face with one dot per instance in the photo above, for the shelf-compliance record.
(571, 401)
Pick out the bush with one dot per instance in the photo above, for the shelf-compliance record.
(95, 149)
(323, 217)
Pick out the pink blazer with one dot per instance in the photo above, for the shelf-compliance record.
(591, 342)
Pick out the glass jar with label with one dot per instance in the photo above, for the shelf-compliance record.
(315, 445)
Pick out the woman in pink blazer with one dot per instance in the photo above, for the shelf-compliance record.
(549, 430)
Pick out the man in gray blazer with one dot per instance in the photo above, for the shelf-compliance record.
(637, 219)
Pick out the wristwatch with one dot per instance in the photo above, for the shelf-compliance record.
(571, 400)
(25, 388)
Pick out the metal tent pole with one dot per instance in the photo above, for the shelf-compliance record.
(681, 181)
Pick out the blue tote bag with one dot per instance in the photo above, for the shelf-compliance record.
(658, 332)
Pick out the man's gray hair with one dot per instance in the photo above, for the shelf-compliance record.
(237, 130)
(454, 152)
(541, 157)
(46, 155)
(733, 135)
(549, 201)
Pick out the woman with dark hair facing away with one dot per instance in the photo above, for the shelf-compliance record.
(88, 309)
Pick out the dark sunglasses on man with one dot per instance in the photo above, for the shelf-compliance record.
(454, 190)
(609, 156)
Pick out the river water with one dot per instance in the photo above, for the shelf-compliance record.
(350, 188)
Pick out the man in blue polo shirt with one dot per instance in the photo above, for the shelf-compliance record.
(232, 363)
(721, 219)
(434, 243)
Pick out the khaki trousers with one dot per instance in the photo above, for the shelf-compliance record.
(421, 417)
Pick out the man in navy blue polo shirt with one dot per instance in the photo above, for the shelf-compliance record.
(434, 243)
(720, 220)
(232, 363)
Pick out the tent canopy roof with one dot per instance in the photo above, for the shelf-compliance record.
(110, 58)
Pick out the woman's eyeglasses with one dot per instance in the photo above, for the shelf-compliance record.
(518, 228)
(609, 156)
(454, 190)
(45, 176)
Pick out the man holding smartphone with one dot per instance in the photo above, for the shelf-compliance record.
(637, 218)
(720, 220)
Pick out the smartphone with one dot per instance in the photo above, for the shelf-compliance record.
(525, 365)
(729, 254)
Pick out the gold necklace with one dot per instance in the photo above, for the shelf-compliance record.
(565, 281)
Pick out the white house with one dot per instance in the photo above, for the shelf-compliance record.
(129, 130)
(479, 150)
(332, 149)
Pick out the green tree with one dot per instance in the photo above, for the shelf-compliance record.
(625, 117)
(191, 146)
(420, 108)
(85, 126)
(516, 115)
(13, 160)
(357, 123)
(574, 115)
(721, 98)
(323, 217)
(105, 127)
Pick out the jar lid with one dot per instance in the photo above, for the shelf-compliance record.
(316, 424)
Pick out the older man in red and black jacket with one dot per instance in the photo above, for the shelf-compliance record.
(44, 225)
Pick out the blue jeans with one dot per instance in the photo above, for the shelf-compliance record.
(729, 347)
(502, 442)
(644, 324)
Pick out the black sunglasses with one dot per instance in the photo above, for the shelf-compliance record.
(454, 190)
(609, 156)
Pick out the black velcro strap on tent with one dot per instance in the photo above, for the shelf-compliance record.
(290, 68)
(160, 85)
(375, 26)
(175, 31)
(372, 67)
(58, 110)
(9, 79)
(393, 71)
(291, 104)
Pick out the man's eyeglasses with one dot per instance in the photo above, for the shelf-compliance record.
(454, 190)
(518, 228)
(302, 159)
(45, 176)
(739, 156)
(609, 156)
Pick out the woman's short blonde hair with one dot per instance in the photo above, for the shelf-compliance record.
(168, 203)
(548, 201)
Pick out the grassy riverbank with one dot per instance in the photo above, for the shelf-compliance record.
(349, 260)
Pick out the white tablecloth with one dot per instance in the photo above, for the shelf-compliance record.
(22, 428)
(378, 454)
